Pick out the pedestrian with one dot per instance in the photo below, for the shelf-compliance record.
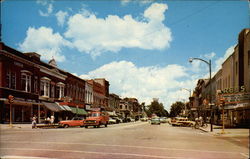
(48, 120)
(52, 119)
(33, 122)
(201, 120)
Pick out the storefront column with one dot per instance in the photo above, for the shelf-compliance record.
(39, 113)
(13, 114)
(22, 114)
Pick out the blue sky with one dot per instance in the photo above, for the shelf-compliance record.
(141, 47)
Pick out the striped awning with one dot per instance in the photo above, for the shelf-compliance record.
(78, 111)
(53, 106)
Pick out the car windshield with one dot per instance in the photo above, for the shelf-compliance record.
(95, 114)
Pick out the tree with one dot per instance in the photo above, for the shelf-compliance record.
(176, 108)
(156, 108)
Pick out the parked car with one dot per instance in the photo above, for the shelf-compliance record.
(155, 121)
(97, 119)
(181, 121)
(111, 121)
(75, 121)
(163, 120)
(118, 120)
(144, 119)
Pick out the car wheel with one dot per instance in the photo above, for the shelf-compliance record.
(66, 126)
(106, 124)
(86, 127)
(99, 125)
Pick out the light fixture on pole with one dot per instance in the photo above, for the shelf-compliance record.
(210, 89)
(189, 90)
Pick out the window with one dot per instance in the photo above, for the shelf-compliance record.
(26, 81)
(45, 87)
(52, 91)
(249, 58)
(236, 67)
(11, 79)
(35, 84)
(60, 90)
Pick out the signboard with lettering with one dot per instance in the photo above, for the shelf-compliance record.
(235, 98)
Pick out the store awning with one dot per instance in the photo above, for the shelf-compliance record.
(53, 106)
(67, 108)
(78, 111)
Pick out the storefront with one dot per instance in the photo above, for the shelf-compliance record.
(22, 111)
(236, 110)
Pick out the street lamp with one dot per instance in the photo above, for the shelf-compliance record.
(210, 90)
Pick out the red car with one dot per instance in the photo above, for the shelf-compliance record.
(76, 121)
(97, 119)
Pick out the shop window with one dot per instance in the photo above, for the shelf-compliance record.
(26, 81)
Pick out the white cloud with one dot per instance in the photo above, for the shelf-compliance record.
(49, 8)
(44, 42)
(210, 55)
(93, 35)
(41, 2)
(125, 2)
(219, 61)
(61, 16)
(145, 83)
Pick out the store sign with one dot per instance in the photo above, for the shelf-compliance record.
(18, 64)
(236, 98)
(240, 89)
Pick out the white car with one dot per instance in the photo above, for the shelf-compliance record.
(111, 121)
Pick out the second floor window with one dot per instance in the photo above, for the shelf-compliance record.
(11, 79)
(26, 81)
(45, 87)
(60, 90)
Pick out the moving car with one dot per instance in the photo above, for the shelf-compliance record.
(75, 121)
(155, 121)
(96, 119)
(181, 121)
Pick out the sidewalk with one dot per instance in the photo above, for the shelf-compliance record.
(228, 132)
(22, 126)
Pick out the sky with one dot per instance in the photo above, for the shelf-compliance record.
(141, 47)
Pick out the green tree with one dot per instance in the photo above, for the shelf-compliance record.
(156, 108)
(176, 108)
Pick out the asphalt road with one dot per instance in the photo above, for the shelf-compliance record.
(123, 141)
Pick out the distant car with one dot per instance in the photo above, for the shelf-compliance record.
(144, 119)
(111, 121)
(163, 120)
(155, 121)
(76, 121)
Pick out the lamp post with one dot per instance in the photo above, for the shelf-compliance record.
(189, 90)
(11, 100)
(210, 90)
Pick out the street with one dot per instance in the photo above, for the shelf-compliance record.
(138, 140)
